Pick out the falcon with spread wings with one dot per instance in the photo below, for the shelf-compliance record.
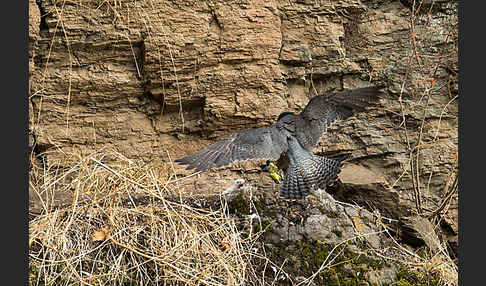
(290, 141)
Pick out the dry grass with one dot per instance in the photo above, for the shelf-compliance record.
(128, 224)
(437, 260)
(122, 229)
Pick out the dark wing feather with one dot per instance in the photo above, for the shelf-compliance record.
(323, 110)
(265, 143)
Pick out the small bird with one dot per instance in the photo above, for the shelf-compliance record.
(289, 141)
(273, 170)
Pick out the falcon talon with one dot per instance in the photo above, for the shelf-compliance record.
(266, 167)
(290, 141)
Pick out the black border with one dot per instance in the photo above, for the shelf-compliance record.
(15, 23)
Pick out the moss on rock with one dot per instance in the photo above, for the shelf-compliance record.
(241, 206)
(406, 277)
(344, 267)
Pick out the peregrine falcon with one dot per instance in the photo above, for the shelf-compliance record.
(290, 140)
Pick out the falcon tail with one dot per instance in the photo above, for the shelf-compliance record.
(307, 173)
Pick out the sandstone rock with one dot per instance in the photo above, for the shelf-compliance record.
(131, 76)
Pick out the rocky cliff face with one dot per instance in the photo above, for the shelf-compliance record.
(156, 80)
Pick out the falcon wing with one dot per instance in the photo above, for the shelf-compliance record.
(323, 110)
(265, 143)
